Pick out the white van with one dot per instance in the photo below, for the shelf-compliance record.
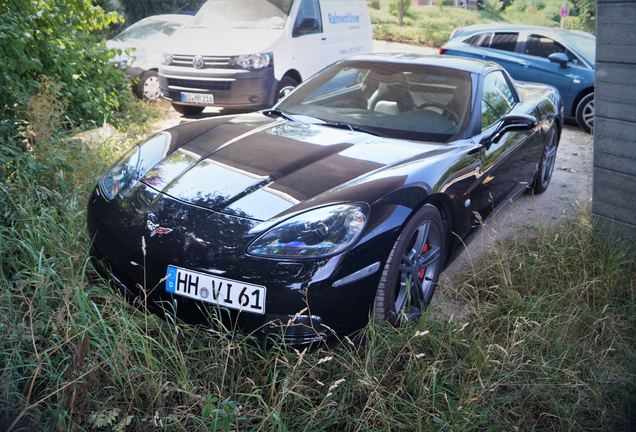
(246, 54)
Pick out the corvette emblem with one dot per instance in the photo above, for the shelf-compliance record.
(155, 229)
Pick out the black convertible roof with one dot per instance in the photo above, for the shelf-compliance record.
(449, 62)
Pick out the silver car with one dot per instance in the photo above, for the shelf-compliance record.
(140, 51)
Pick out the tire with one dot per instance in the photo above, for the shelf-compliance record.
(285, 86)
(148, 87)
(392, 292)
(188, 110)
(585, 113)
(546, 165)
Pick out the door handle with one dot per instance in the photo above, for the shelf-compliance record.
(323, 38)
(525, 65)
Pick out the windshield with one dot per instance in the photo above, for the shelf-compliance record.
(251, 14)
(146, 30)
(396, 100)
(585, 45)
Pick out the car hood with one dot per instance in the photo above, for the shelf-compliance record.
(222, 42)
(256, 167)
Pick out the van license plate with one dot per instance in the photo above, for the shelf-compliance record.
(197, 98)
(219, 291)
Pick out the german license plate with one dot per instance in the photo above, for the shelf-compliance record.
(218, 291)
(197, 98)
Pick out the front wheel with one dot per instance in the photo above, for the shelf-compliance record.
(285, 87)
(188, 110)
(585, 113)
(411, 273)
(546, 165)
(148, 88)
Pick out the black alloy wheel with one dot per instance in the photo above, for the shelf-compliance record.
(546, 165)
(411, 273)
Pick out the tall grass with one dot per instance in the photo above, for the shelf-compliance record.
(547, 342)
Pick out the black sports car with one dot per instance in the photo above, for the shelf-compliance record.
(341, 203)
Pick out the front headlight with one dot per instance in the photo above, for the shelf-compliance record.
(134, 165)
(167, 59)
(316, 233)
(253, 61)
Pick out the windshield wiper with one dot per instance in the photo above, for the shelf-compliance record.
(349, 126)
(279, 113)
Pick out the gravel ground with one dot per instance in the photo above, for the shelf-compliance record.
(569, 192)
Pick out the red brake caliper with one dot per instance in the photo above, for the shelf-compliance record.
(423, 269)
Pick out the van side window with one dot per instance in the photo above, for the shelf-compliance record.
(497, 99)
(309, 19)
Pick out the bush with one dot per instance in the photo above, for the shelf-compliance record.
(546, 13)
(56, 41)
(429, 26)
(394, 7)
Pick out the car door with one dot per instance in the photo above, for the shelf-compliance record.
(535, 50)
(508, 164)
(308, 38)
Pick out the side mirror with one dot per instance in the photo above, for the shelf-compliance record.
(561, 58)
(511, 123)
(307, 25)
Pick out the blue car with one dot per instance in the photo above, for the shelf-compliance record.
(564, 59)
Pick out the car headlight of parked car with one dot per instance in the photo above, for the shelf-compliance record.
(134, 165)
(253, 61)
(316, 233)
(167, 59)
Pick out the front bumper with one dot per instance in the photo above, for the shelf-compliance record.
(303, 303)
(232, 88)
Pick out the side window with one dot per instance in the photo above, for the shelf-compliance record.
(542, 46)
(473, 40)
(497, 99)
(309, 19)
(485, 40)
(504, 41)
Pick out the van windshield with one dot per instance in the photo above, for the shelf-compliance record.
(247, 14)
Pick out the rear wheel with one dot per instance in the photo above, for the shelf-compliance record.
(585, 113)
(411, 273)
(546, 165)
(188, 110)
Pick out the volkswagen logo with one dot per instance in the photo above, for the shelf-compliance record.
(198, 62)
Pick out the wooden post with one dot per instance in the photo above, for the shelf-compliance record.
(401, 12)
(613, 205)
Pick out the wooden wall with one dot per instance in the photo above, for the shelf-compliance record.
(614, 192)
